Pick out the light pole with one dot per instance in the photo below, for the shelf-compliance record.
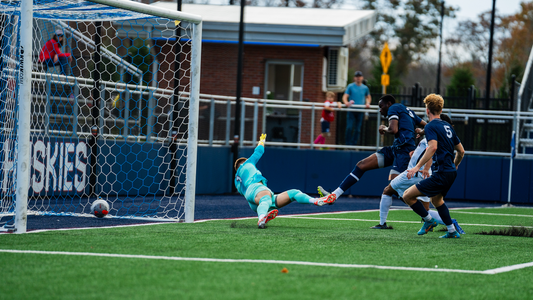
(440, 47)
(489, 65)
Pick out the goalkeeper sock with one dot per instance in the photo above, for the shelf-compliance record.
(384, 206)
(264, 205)
(436, 216)
(298, 196)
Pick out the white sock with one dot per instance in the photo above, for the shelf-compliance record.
(428, 218)
(451, 228)
(338, 192)
(384, 206)
(436, 216)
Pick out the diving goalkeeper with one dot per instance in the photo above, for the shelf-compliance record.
(252, 185)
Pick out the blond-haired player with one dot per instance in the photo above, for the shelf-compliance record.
(442, 141)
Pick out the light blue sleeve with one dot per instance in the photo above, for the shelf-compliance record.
(245, 173)
(258, 153)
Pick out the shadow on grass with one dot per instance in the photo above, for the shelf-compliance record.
(512, 231)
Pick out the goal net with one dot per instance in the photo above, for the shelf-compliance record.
(109, 109)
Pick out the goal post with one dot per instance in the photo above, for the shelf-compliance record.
(97, 119)
(23, 128)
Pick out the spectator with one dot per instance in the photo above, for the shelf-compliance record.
(52, 56)
(356, 93)
(328, 116)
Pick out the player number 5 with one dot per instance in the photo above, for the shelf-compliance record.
(448, 131)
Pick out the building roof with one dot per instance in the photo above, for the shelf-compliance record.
(281, 25)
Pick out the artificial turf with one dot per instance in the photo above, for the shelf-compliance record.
(339, 240)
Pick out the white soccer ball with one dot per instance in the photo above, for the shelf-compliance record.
(100, 208)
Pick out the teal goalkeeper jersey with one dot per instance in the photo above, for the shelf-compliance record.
(248, 174)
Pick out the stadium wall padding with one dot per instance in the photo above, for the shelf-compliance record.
(480, 178)
(214, 170)
(140, 169)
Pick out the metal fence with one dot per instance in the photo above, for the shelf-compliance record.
(470, 98)
(296, 124)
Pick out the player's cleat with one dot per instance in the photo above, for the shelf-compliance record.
(322, 192)
(329, 199)
(453, 235)
(431, 230)
(379, 226)
(457, 227)
(428, 226)
(261, 224)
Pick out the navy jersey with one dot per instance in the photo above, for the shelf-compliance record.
(407, 120)
(443, 133)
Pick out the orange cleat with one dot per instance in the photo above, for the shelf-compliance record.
(329, 199)
(270, 216)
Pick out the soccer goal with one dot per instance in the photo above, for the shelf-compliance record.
(97, 100)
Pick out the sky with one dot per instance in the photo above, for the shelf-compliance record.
(470, 9)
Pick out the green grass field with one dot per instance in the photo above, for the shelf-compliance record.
(357, 262)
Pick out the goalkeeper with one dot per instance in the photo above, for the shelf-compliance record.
(252, 185)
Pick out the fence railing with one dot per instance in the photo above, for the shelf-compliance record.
(470, 98)
(287, 123)
(296, 124)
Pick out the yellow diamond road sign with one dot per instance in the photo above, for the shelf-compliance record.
(385, 79)
(385, 58)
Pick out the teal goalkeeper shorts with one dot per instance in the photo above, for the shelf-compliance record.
(255, 189)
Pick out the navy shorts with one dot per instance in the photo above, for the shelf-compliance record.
(437, 183)
(397, 157)
(325, 126)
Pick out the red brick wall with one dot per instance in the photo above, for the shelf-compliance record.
(219, 75)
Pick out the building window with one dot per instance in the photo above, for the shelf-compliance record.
(284, 81)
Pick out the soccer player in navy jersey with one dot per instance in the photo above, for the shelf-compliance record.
(253, 186)
(401, 183)
(402, 123)
(442, 141)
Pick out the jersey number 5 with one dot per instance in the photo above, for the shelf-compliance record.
(449, 133)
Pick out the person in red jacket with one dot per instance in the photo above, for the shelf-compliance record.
(328, 116)
(51, 54)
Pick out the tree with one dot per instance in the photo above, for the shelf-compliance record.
(287, 3)
(471, 37)
(375, 79)
(462, 79)
(512, 45)
(411, 25)
(515, 47)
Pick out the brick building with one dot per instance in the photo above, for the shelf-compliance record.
(294, 54)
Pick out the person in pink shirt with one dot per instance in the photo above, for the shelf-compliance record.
(51, 54)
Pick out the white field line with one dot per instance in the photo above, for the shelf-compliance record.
(325, 213)
(410, 222)
(492, 214)
(246, 218)
(508, 268)
(293, 215)
(281, 262)
(99, 227)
